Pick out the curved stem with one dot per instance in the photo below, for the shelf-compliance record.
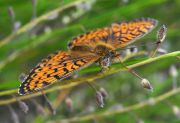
(76, 82)
(123, 110)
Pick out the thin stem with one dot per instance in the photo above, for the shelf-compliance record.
(174, 82)
(130, 70)
(62, 95)
(123, 110)
(76, 82)
(156, 49)
(36, 21)
(50, 107)
(91, 85)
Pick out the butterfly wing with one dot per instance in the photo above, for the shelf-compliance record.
(124, 34)
(118, 35)
(55, 67)
(89, 39)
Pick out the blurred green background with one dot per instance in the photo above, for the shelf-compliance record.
(25, 46)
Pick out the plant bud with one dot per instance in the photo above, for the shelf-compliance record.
(103, 92)
(11, 12)
(69, 104)
(161, 34)
(173, 71)
(24, 107)
(176, 110)
(146, 84)
(99, 99)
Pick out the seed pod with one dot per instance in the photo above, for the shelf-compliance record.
(161, 34)
(24, 107)
(162, 51)
(11, 12)
(103, 92)
(99, 99)
(66, 19)
(69, 104)
(173, 71)
(176, 110)
(146, 84)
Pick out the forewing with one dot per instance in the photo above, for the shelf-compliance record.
(125, 33)
(55, 67)
(89, 39)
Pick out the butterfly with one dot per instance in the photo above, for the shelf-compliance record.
(99, 46)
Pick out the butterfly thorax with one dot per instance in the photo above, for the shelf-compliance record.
(102, 50)
(106, 54)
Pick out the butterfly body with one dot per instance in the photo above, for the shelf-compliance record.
(95, 46)
(106, 54)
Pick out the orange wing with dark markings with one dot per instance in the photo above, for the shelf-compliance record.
(126, 33)
(55, 67)
(118, 35)
(90, 37)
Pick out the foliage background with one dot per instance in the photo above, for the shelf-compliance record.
(27, 47)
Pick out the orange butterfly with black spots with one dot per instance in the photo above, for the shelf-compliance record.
(95, 46)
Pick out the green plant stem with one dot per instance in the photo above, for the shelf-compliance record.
(75, 82)
(123, 110)
(36, 21)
